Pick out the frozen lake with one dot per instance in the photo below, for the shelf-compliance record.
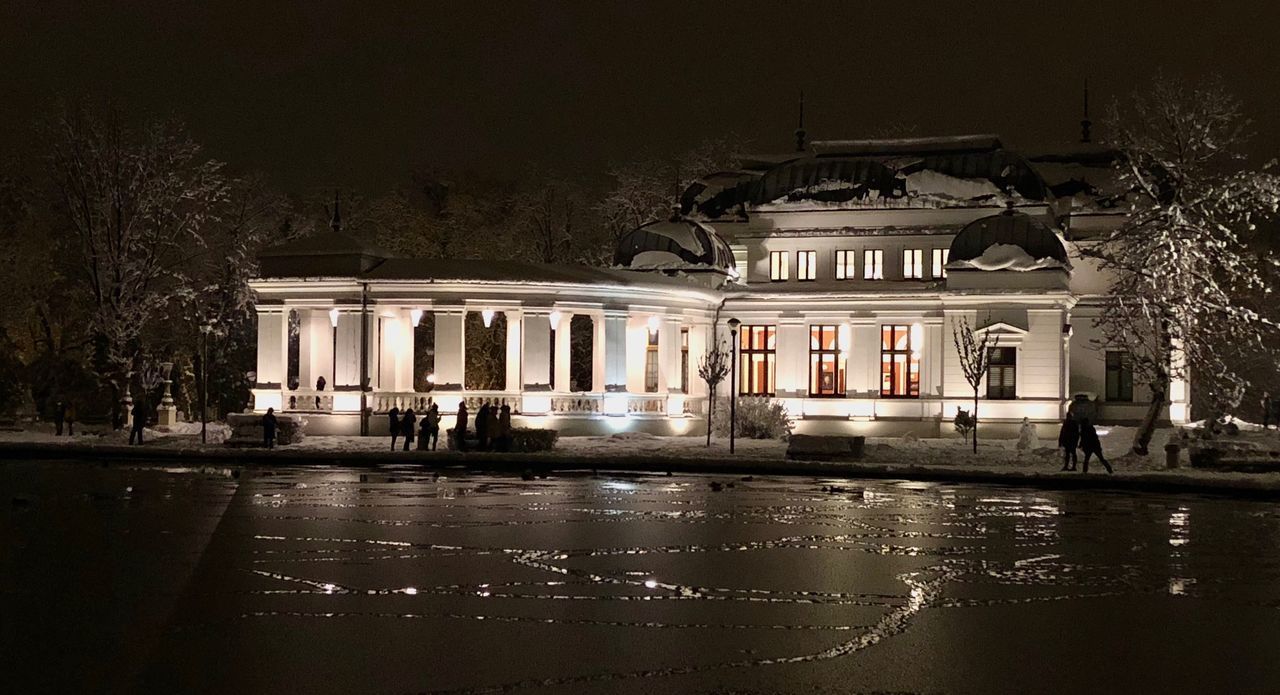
(301, 580)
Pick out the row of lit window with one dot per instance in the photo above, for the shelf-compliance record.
(846, 260)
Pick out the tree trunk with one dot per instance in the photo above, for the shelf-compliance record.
(975, 420)
(1159, 399)
(711, 410)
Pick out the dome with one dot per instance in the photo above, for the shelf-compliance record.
(1007, 241)
(675, 244)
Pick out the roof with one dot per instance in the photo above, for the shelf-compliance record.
(326, 244)
(1007, 228)
(675, 244)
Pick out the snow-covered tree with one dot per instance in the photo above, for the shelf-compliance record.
(1181, 264)
(974, 350)
(712, 369)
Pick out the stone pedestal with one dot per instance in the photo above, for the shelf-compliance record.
(167, 413)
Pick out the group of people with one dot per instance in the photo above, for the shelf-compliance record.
(405, 424)
(1078, 433)
(64, 413)
(493, 427)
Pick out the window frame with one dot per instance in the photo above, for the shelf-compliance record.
(747, 352)
(912, 358)
(873, 264)
(1004, 388)
(845, 264)
(806, 266)
(816, 350)
(684, 359)
(779, 266)
(916, 265)
(938, 262)
(1123, 367)
(651, 363)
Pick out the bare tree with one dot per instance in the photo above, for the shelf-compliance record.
(712, 369)
(974, 350)
(1180, 262)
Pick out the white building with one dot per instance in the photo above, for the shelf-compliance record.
(847, 265)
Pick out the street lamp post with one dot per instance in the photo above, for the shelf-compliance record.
(733, 381)
(204, 382)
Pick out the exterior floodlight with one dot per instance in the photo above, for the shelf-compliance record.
(487, 316)
(333, 316)
(733, 324)
(416, 315)
(654, 322)
(431, 378)
(555, 319)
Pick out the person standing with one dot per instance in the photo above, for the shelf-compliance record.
(460, 427)
(408, 427)
(431, 427)
(139, 421)
(502, 431)
(482, 428)
(319, 387)
(492, 427)
(71, 418)
(1091, 445)
(393, 419)
(59, 414)
(269, 429)
(1266, 411)
(1068, 441)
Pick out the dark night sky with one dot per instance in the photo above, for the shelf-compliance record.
(358, 94)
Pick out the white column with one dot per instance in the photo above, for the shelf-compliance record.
(792, 359)
(450, 349)
(273, 346)
(698, 337)
(637, 348)
(307, 365)
(347, 372)
(615, 351)
(669, 355)
(404, 352)
(931, 359)
(562, 353)
(864, 359)
(514, 340)
(597, 353)
(536, 363)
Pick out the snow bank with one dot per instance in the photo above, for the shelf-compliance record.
(1006, 257)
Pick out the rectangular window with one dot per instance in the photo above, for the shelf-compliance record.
(1002, 373)
(651, 364)
(873, 264)
(806, 265)
(900, 360)
(756, 348)
(1119, 376)
(845, 265)
(684, 360)
(912, 264)
(826, 373)
(779, 265)
(940, 262)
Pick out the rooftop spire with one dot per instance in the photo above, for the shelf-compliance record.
(336, 222)
(800, 133)
(1085, 123)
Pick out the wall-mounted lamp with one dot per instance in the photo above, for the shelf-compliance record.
(487, 317)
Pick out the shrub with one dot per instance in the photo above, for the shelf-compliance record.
(528, 439)
(963, 423)
(758, 418)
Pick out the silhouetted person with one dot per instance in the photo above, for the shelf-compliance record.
(430, 427)
(393, 419)
(491, 426)
(320, 382)
(1082, 409)
(59, 413)
(407, 427)
(1091, 445)
(460, 427)
(482, 427)
(1068, 441)
(269, 429)
(502, 431)
(1266, 411)
(139, 421)
(71, 419)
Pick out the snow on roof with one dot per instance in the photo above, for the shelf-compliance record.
(1006, 257)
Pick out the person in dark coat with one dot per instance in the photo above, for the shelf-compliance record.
(393, 419)
(1068, 441)
(139, 421)
(408, 427)
(430, 428)
(1266, 411)
(502, 432)
(1091, 445)
(269, 429)
(59, 414)
(71, 419)
(320, 383)
(482, 428)
(460, 427)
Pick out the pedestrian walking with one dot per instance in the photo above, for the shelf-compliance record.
(1068, 441)
(1091, 445)
(502, 432)
(408, 427)
(1082, 408)
(460, 427)
(393, 421)
(71, 418)
(59, 414)
(482, 428)
(431, 427)
(269, 429)
(139, 421)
